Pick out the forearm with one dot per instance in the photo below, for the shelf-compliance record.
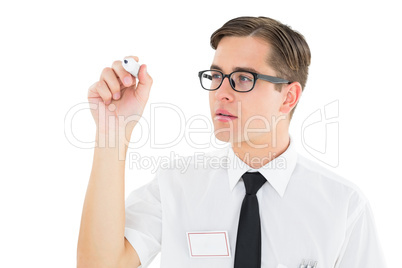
(101, 238)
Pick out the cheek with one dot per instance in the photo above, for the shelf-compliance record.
(211, 100)
(256, 105)
(259, 110)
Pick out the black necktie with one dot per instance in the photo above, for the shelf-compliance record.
(248, 244)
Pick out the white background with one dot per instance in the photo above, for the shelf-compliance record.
(52, 51)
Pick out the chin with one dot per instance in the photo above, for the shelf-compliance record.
(226, 132)
(226, 136)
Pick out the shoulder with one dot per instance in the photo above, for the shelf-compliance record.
(330, 185)
(314, 169)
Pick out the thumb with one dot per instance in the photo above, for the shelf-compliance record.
(144, 82)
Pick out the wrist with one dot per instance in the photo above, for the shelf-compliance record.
(114, 140)
(118, 132)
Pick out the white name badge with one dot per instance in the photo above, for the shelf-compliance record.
(208, 244)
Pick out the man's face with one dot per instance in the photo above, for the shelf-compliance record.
(256, 113)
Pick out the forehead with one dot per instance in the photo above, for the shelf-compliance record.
(233, 52)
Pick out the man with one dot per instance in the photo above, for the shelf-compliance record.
(263, 205)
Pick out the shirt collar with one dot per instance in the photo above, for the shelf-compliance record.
(277, 172)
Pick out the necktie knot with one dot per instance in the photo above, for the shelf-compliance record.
(253, 181)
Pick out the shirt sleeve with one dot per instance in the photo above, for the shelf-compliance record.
(143, 227)
(361, 248)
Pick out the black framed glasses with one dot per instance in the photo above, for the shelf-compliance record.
(240, 81)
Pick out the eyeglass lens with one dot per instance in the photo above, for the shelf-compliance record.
(240, 81)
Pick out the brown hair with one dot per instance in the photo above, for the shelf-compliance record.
(290, 56)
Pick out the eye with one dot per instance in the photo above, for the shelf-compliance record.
(216, 75)
(244, 78)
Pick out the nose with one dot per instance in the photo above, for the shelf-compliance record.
(225, 91)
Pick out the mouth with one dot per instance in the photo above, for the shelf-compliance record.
(223, 115)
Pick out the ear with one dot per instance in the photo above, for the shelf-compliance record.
(291, 95)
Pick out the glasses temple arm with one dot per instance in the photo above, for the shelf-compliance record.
(272, 79)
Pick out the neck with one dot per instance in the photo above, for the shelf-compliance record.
(257, 154)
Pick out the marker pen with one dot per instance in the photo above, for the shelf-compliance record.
(131, 66)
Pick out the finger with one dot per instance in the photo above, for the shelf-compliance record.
(145, 81)
(104, 92)
(125, 77)
(109, 76)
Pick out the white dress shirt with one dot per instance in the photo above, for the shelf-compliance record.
(307, 214)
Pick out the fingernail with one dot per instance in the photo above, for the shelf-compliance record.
(116, 95)
(127, 80)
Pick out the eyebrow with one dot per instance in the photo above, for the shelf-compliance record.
(216, 67)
